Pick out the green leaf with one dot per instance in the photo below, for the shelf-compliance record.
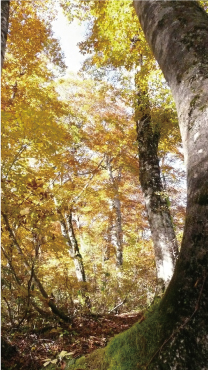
(54, 361)
(46, 363)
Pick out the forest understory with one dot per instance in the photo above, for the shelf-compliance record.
(29, 348)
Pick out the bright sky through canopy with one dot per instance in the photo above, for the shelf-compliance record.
(69, 35)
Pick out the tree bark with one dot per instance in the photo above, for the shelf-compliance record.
(78, 262)
(69, 235)
(108, 238)
(117, 208)
(4, 27)
(163, 234)
(177, 32)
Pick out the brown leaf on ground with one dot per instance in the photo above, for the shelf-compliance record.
(86, 334)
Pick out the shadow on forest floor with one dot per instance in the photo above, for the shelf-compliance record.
(32, 347)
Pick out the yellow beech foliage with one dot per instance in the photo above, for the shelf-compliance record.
(118, 49)
(56, 135)
(119, 53)
(54, 156)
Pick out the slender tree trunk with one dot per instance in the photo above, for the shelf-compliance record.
(4, 28)
(117, 208)
(50, 302)
(108, 238)
(69, 235)
(163, 234)
(177, 32)
(77, 257)
(39, 310)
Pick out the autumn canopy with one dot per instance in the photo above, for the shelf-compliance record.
(94, 186)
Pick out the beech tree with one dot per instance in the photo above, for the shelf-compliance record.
(117, 207)
(4, 27)
(179, 44)
(130, 50)
(174, 335)
(163, 234)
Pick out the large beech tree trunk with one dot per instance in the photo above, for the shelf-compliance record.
(4, 27)
(163, 235)
(177, 32)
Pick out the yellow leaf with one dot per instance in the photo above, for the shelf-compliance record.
(25, 211)
(46, 363)
(54, 361)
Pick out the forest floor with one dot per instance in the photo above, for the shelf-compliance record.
(31, 348)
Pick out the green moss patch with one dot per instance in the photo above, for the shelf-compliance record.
(93, 361)
(132, 349)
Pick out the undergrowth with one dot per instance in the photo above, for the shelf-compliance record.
(130, 350)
